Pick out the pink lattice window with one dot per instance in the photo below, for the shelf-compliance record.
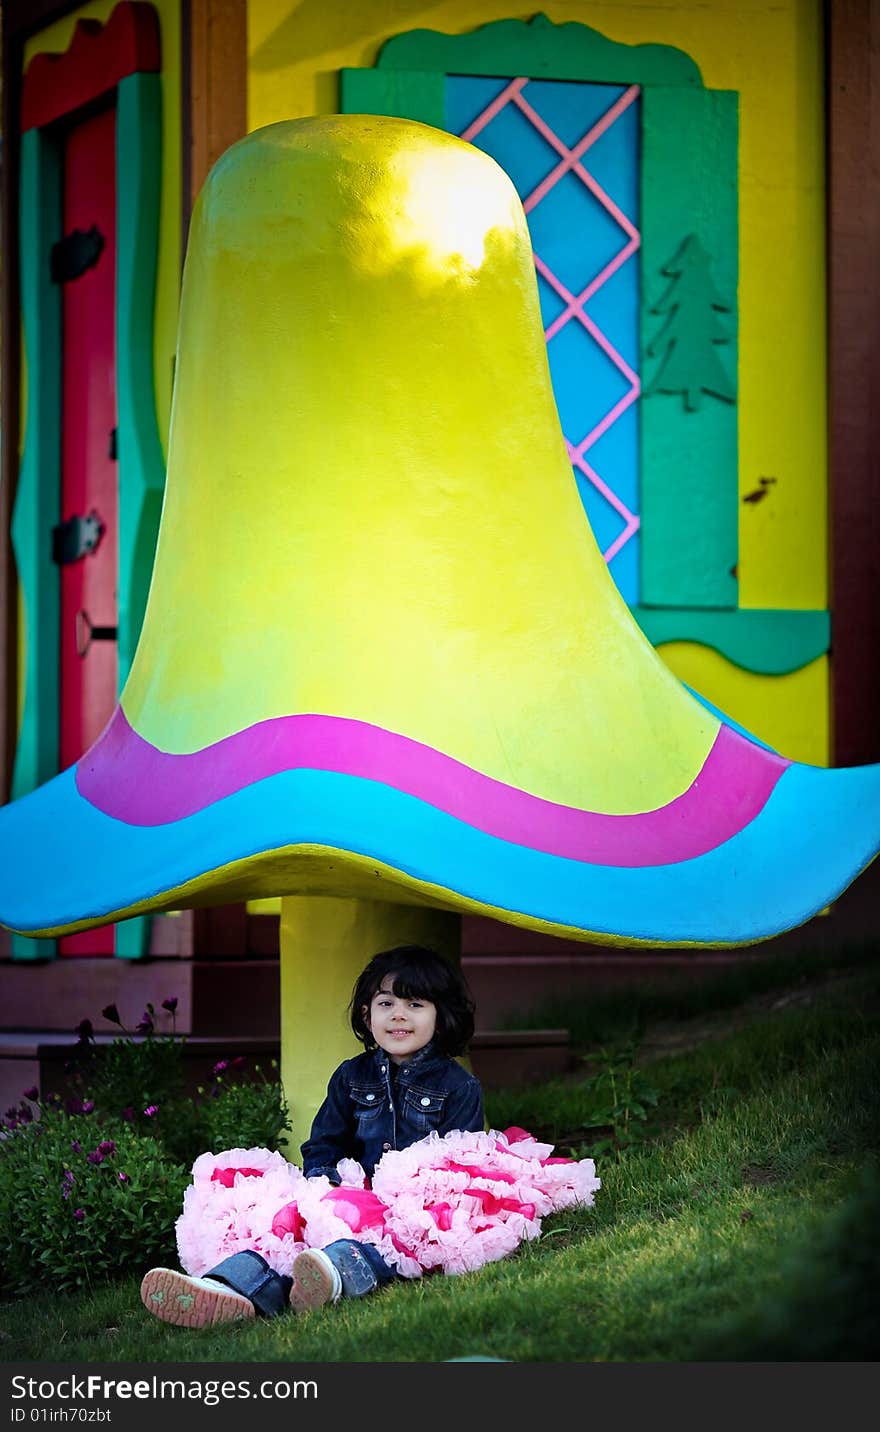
(572, 151)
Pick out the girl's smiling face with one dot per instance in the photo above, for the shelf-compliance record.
(400, 1025)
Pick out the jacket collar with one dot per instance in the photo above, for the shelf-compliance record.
(418, 1065)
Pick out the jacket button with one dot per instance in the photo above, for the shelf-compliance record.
(386, 1147)
(381, 1068)
(391, 1108)
(370, 1097)
(425, 1102)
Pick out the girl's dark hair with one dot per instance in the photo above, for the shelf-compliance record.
(419, 973)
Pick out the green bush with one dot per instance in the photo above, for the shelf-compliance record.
(140, 1072)
(139, 1078)
(82, 1201)
(245, 1115)
(91, 1184)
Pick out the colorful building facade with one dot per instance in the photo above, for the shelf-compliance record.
(701, 238)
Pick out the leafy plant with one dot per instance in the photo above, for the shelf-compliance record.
(81, 1201)
(135, 1076)
(139, 1079)
(251, 1114)
(91, 1184)
(619, 1096)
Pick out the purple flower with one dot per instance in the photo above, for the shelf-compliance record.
(85, 1031)
(151, 1110)
(106, 1147)
(112, 1013)
(220, 1066)
(145, 1026)
(128, 1114)
(87, 1106)
(69, 1176)
(25, 1115)
(79, 1214)
(32, 1094)
(238, 1061)
(11, 1112)
(123, 1178)
(76, 1146)
(170, 1004)
(95, 1157)
(66, 1190)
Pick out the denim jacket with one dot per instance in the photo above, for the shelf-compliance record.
(369, 1110)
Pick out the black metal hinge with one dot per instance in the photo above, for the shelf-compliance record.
(75, 538)
(86, 633)
(75, 253)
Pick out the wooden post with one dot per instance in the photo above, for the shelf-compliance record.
(853, 67)
(214, 115)
(214, 77)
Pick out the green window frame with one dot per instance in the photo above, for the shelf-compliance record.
(688, 444)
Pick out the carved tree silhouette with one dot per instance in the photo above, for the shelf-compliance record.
(689, 338)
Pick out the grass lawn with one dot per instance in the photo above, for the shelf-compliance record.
(739, 1224)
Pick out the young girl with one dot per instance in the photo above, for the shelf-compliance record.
(444, 1194)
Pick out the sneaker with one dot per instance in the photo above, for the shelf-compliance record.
(316, 1281)
(192, 1302)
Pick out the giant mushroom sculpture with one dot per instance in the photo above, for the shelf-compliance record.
(384, 672)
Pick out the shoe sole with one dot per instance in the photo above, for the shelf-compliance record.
(313, 1283)
(189, 1303)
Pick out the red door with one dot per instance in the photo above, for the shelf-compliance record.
(88, 660)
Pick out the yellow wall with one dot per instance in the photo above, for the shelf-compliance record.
(295, 54)
(56, 39)
(772, 55)
(789, 712)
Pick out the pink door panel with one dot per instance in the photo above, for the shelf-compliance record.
(88, 666)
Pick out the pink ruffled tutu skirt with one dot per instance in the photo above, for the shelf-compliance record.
(449, 1204)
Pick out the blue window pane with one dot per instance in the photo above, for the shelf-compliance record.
(580, 227)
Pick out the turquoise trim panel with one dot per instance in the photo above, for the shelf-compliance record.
(141, 462)
(400, 94)
(542, 49)
(767, 642)
(688, 411)
(38, 493)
